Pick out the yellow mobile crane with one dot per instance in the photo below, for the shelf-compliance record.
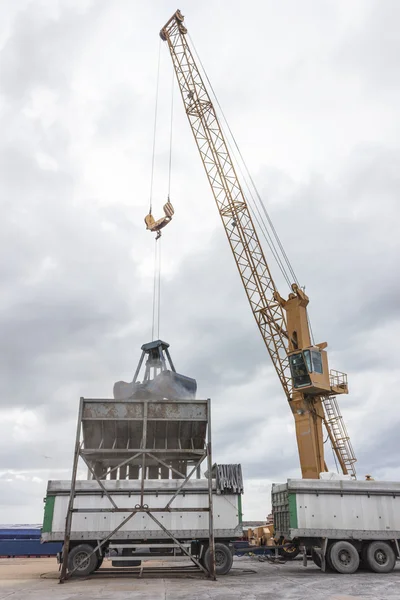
(302, 367)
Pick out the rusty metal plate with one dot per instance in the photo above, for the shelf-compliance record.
(112, 410)
(177, 411)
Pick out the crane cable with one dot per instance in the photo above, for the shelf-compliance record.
(334, 458)
(155, 128)
(170, 132)
(332, 448)
(156, 273)
(286, 272)
(265, 232)
(259, 219)
(153, 324)
(155, 328)
(157, 249)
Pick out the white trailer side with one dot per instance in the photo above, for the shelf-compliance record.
(126, 494)
(327, 515)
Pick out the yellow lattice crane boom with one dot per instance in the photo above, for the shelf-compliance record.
(302, 367)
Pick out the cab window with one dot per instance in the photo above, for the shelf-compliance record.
(316, 361)
(299, 371)
(307, 358)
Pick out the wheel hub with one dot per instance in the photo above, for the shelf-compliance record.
(380, 557)
(344, 557)
(81, 560)
(219, 558)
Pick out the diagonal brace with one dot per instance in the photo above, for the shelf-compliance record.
(99, 482)
(164, 464)
(125, 462)
(181, 546)
(186, 480)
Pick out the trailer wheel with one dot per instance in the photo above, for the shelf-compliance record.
(79, 555)
(380, 557)
(290, 552)
(344, 557)
(99, 562)
(223, 559)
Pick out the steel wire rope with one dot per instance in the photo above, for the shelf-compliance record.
(156, 312)
(334, 458)
(266, 233)
(270, 245)
(261, 224)
(263, 228)
(157, 254)
(170, 132)
(158, 292)
(159, 289)
(248, 173)
(332, 448)
(311, 331)
(280, 245)
(154, 291)
(155, 127)
(151, 187)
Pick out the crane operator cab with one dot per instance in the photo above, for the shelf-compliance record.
(310, 373)
(308, 362)
(154, 225)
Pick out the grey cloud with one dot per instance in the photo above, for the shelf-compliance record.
(382, 442)
(43, 48)
(120, 115)
(76, 265)
(373, 45)
(358, 236)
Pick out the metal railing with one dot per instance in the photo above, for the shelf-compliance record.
(338, 435)
(337, 378)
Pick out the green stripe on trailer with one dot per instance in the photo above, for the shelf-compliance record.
(240, 509)
(292, 511)
(48, 514)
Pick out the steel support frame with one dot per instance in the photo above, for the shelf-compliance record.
(142, 507)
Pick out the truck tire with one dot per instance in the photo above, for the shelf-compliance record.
(99, 562)
(77, 555)
(380, 557)
(223, 559)
(290, 552)
(344, 557)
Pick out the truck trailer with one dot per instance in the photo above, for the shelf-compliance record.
(140, 538)
(344, 524)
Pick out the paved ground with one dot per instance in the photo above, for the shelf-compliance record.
(36, 579)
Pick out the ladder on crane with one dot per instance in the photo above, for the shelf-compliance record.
(338, 435)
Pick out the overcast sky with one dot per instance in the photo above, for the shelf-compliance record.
(311, 90)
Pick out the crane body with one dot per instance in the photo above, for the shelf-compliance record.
(302, 367)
